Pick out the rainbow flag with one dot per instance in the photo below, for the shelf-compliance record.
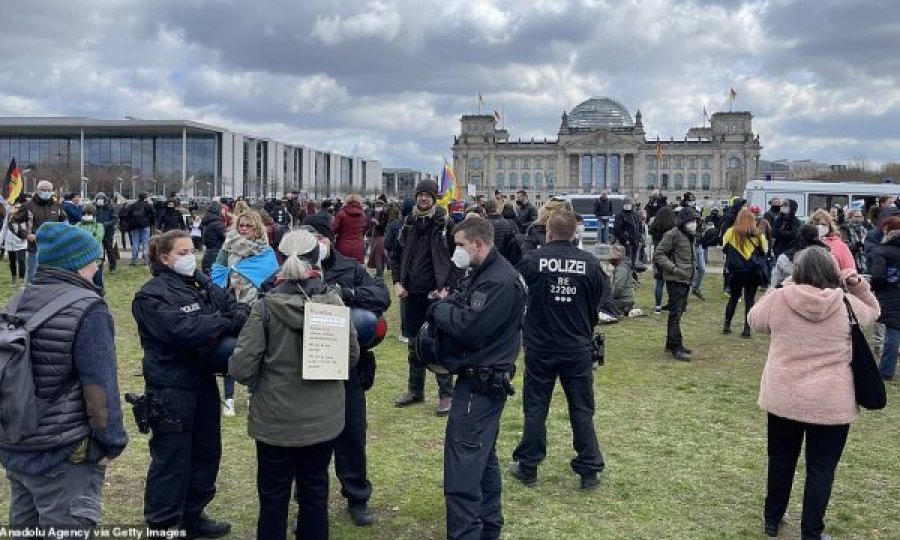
(12, 182)
(449, 186)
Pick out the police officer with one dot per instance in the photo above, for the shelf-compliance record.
(565, 286)
(360, 290)
(479, 332)
(185, 322)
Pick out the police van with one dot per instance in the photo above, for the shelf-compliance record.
(583, 205)
(811, 196)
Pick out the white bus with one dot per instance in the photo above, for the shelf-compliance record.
(811, 196)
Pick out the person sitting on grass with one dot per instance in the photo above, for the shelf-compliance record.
(623, 283)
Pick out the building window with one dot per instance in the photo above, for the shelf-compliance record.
(551, 181)
(526, 180)
(651, 180)
(586, 177)
(692, 163)
(551, 163)
(707, 163)
(513, 181)
(679, 162)
(501, 181)
(734, 162)
(679, 182)
(692, 182)
(614, 172)
(539, 163)
(526, 163)
(514, 163)
(599, 172)
(665, 163)
(664, 181)
(704, 182)
(538, 180)
(475, 163)
(500, 162)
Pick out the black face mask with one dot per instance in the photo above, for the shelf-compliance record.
(775, 209)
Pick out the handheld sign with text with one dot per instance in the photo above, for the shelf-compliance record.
(326, 342)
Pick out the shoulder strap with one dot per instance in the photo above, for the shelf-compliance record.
(56, 305)
(850, 314)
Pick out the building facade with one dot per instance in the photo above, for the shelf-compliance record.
(176, 156)
(599, 147)
(398, 182)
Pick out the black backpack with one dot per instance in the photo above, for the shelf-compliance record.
(20, 408)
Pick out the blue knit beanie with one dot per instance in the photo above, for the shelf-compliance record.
(65, 246)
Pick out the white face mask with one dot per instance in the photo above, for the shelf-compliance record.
(101, 202)
(461, 258)
(626, 207)
(823, 229)
(785, 209)
(690, 226)
(323, 252)
(185, 265)
(87, 219)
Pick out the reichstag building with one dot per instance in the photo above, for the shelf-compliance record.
(600, 147)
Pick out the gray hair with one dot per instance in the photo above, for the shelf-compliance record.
(293, 245)
(815, 266)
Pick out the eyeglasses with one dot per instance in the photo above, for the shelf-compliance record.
(244, 226)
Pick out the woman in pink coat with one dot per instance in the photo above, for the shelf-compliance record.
(349, 227)
(830, 235)
(807, 385)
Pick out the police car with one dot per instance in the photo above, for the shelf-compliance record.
(583, 205)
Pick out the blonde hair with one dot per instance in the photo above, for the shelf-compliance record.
(549, 208)
(255, 221)
(824, 218)
(239, 208)
(353, 197)
(292, 245)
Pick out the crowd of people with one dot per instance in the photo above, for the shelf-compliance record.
(476, 282)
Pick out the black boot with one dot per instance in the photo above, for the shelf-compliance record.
(726, 328)
(203, 527)
(360, 514)
(746, 333)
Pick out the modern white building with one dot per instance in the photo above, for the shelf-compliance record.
(176, 156)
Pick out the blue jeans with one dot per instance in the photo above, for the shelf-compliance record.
(139, 239)
(32, 265)
(700, 266)
(889, 351)
(658, 292)
(603, 229)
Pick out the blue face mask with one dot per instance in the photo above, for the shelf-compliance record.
(45, 195)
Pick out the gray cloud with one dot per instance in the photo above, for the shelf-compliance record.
(390, 78)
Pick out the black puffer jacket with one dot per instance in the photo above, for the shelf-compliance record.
(213, 229)
(785, 231)
(534, 238)
(886, 279)
(505, 233)
(180, 321)
(172, 220)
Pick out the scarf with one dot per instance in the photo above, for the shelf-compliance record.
(235, 244)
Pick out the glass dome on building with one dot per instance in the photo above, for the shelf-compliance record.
(600, 113)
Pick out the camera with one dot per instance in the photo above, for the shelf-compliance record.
(598, 349)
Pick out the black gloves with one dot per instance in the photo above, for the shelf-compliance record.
(238, 318)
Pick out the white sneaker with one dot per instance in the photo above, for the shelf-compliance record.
(403, 339)
(636, 313)
(228, 410)
(606, 318)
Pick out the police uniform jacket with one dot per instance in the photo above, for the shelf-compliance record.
(480, 324)
(565, 286)
(180, 320)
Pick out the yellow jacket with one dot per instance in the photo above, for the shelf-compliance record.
(745, 248)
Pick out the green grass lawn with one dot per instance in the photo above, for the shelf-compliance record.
(684, 446)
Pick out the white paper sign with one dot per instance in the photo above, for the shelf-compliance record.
(326, 342)
(473, 191)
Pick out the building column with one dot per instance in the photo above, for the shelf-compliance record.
(81, 174)
(620, 174)
(190, 192)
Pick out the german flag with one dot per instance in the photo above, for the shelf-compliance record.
(12, 182)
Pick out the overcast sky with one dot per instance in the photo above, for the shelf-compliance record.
(388, 79)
